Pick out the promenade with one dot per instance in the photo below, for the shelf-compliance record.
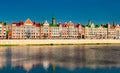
(58, 41)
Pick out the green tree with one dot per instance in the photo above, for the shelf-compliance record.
(7, 34)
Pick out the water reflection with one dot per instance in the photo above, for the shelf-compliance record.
(49, 58)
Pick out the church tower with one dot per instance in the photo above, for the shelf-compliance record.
(53, 21)
(114, 23)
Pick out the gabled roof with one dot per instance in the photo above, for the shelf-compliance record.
(70, 23)
(112, 27)
(46, 23)
(28, 21)
(116, 27)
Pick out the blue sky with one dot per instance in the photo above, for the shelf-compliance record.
(98, 11)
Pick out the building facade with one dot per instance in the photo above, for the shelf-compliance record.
(68, 30)
(26, 30)
(93, 32)
(61, 31)
(2, 30)
(113, 32)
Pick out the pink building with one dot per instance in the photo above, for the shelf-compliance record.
(26, 30)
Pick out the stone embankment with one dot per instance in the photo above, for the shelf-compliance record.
(59, 41)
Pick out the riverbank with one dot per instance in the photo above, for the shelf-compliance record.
(57, 42)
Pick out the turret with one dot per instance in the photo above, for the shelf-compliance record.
(108, 25)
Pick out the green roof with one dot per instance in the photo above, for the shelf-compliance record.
(53, 17)
(53, 25)
(88, 25)
(104, 26)
(97, 26)
(83, 25)
(4, 23)
(41, 24)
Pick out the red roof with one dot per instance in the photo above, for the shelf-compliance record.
(14, 23)
(22, 23)
(64, 25)
(17, 24)
(112, 27)
(77, 25)
(38, 25)
(34, 23)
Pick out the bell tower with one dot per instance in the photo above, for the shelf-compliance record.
(53, 21)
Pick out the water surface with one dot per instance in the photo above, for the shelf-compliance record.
(60, 59)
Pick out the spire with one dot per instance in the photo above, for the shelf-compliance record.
(53, 18)
(114, 23)
(89, 24)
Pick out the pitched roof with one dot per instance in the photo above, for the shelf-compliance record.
(70, 23)
(46, 23)
(37, 24)
(28, 21)
(77, 25)
(64, 25)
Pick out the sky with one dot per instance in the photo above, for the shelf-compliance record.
(77, 11)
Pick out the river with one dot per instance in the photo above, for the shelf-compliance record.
(60, 59)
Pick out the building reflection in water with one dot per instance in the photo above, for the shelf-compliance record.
(69, 57)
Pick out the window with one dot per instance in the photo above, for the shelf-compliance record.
(92, 31)
(46, 29)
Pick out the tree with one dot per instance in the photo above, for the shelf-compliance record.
(7, 34)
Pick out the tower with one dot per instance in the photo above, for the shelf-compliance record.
(89, 22)
(114, 23)
(53, 21)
